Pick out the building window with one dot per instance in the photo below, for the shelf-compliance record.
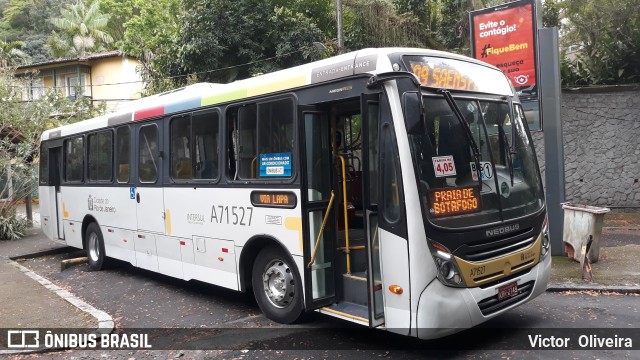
(34, 89)
(73, 84)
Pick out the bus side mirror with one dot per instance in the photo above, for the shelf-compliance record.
(413, 114)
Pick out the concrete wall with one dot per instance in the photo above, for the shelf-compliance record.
(601, 129)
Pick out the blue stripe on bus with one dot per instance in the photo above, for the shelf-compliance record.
(183, 105)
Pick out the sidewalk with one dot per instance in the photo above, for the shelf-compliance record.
(18, 287)
(617, 269)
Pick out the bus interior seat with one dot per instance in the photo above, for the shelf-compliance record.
(209, 170)
(183, 169)
(123, 170)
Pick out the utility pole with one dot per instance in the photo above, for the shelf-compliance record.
(340, 34)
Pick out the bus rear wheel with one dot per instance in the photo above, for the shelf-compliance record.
(95, 247)
(277, 286)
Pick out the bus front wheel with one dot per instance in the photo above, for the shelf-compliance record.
(277, 286)
(95, 247)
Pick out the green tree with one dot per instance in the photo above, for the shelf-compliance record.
(608, 32)
(28, 21)
(11, 55)
(22, 122)
(376, 23)
(551, 13)
(152, 36)
(223, 34)
(82, 29)
(120, 12)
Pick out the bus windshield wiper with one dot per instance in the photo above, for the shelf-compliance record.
(467, 131)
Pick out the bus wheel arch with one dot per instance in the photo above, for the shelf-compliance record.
(88, 219)
(267, 252)
(93, 243)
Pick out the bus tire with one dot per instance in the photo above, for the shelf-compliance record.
(95, 247)
(277, 286)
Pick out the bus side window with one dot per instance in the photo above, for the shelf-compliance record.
(100, 158)
(205, 145)
(246, 142)
(123, 151)
(275, 132)
(148, 154)
(261, 130)
(181, 167)
(74, 159)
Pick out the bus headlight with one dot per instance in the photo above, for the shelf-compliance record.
(448, 272)
(546, 243)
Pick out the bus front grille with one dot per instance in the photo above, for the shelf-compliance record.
(502, 247)
(491, 305)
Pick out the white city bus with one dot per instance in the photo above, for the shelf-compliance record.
(395, 188)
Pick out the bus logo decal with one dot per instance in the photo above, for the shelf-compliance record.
(503, 230)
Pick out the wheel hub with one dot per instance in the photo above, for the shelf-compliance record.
(278, 282)
(94, 247)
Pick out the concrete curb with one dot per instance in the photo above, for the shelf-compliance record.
(105, 322)
(560, 287)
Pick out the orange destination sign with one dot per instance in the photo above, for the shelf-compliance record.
(447, 202)
(442, 76)
(274, 199)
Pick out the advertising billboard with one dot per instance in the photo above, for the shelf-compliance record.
(505, 36)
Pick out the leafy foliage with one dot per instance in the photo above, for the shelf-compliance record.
(22, 122)
(82, 28)
(152, 36)
(220, 34)
(609, 33)
(13, 227)
(375, 23)
(28, 21)
(11, 55)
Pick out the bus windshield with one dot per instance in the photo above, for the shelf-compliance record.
(461, 189)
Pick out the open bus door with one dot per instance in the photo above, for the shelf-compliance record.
(347, 278)
(370, 108)
(317, 205)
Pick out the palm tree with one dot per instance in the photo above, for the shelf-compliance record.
(81, 27)
(11, 55)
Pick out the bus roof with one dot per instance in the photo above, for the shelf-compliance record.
(203, 94)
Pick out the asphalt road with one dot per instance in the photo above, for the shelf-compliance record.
(137, 298)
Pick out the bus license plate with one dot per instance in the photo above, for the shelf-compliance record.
(508, 291)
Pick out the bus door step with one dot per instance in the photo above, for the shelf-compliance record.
(355, 288)
(348, 311)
